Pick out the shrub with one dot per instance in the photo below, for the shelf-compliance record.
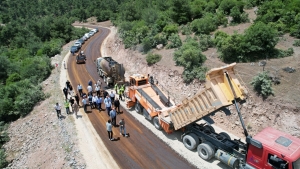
(262, 84)
(160, 39)
(205, 42)
(189, 55)
(147, 44)
(194, 73)
(186, 29)
(204, 25)
(170, 29)
(175, 41)
(153, 58)
(296, 43)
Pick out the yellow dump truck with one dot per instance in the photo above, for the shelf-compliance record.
(269, 148)
(155, 105)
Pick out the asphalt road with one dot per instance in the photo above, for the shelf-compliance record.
(142, 149)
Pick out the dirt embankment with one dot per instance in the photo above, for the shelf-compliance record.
(41, 140)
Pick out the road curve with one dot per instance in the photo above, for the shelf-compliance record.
(142, 149)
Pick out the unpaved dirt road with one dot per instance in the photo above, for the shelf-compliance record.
(142, 149)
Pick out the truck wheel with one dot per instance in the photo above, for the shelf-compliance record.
(209, 128)
(138, 107)
(190, 141)
(205, 151)
(225, 135)
(156, 124)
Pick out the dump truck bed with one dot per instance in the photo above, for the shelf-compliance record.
(216, 94)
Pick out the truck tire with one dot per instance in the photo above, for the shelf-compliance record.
(190, 141)
(209, 128)
(138, 107)
(205, 151)
(225, 135)
(156, 124)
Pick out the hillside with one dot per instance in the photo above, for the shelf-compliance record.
(276, 111)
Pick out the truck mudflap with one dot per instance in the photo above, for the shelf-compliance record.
(216, 94)
(168, 127)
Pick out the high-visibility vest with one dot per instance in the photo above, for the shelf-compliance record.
(116, 86)
(67, 104)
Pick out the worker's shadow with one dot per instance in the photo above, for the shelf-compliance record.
(79, 116)
(62, 117)
(116, 139)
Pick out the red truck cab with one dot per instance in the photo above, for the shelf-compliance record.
(279, 150)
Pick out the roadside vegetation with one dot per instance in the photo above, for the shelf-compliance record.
(32, 31)
(262, 84)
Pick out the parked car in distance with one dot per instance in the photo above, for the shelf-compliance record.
(81, 41)
(91, 33)
(74, 49)
(95, 30)
(78, 44)
(84, 38)
(87, 35)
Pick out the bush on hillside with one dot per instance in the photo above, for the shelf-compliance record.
(296, 43)
(205, 42)
(170, 29)
(153, 58)
(262, 84)
(204, 25)
(175, 41)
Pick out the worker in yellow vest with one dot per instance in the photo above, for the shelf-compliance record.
(116, 87)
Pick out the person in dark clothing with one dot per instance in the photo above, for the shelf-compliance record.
(105, 93)
(65, 90)
(77, 99)
(70, 89)
(71, 100)
(68, 84)
(113, 116)
(117, 105)
(90, 83)
(90, 97)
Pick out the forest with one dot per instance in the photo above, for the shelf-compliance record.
(32, 31)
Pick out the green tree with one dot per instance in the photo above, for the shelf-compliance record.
(197, 8)
(189, 55)
(204, 25)
(260, 38)
(262, 84)
(181, 11)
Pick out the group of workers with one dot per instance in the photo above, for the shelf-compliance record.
(120, 90)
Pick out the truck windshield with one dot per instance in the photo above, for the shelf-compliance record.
(296, 164)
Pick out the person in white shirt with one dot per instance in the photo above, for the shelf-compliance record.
(95, 98)
(109, 130)
(112, 96)
(79, 89)
(90, 89)
(97, 90)
(58, 110)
